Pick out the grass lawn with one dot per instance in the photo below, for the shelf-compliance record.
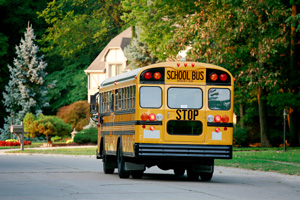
(267, 159)
(65, 151)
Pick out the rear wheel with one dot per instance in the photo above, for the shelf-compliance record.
(121, 164)
(137, 174)
(206, 176)
(192, 175)
(108, 164)
(179, 171)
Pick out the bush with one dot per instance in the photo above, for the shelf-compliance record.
(55, 139)
(47, 125)
(85, 136)
(240, 137)
(77, 114)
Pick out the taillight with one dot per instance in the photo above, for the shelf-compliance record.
(213, 77)
(225, 119)
(217, 130)
(223, 77)
(144, 116)
(152, 117)
(157, 75)
(218, 118)
(152, 128)
(147, 75)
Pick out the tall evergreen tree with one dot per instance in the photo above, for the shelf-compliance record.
(26, 90)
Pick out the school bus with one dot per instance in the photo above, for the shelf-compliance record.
(174, 115)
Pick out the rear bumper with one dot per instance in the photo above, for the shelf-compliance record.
(182, 151)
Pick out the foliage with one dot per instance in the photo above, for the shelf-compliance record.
(55, 139)
(240, 136)
(47, 125)
(138, 53)
(85, 136)
(26, 90)
(77, 31)
(252, 39)
(77, 114)
(14, 17)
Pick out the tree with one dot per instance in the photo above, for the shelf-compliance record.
(77, 114)
(47, 125)
(138, 53)
(26, 90)
(77, 31)
(12, 28)
(249, 38)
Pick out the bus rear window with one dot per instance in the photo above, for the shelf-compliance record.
(190, 98)
(175, 127)
(219, 99)
(150, 97)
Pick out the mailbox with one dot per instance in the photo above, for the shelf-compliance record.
(17, 129)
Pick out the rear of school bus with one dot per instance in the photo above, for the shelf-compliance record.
(184, 117)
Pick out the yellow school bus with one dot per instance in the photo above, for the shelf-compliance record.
(174, 115)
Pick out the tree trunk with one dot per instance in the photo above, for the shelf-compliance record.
(294, 128)
(264, 142)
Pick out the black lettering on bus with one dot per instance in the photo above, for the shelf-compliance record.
(187, 114)
(197, 75)
(178, 113)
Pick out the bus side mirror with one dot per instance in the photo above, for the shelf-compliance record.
(94, 104)
(95, 118)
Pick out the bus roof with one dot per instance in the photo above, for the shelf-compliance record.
(121, 77)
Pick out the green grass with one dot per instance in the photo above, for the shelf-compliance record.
(65, 151)
(265, 160)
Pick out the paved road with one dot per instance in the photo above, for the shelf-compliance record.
(38, 177)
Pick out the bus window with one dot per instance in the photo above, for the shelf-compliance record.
(150, 97)
(175, 127)
(185, 98)
(219, 99)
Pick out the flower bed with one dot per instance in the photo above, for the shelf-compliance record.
(9, 143)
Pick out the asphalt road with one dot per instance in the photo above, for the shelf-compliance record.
(38, 177)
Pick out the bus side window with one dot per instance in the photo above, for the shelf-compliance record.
(120, 99)
(112, 100)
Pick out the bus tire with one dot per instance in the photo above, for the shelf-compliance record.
(192, 175)
(137, 174)
(121, 164)
(179, 171)
(107, 165)
(206, 176)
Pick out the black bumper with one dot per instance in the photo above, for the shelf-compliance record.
(183, 151)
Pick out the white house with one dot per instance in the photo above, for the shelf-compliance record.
(110, 62)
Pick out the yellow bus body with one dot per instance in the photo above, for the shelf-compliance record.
(122, 131)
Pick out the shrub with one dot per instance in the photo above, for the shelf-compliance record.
(47, 125)
(240, 137)
(55, 139)
(77, 114)
(85, 136)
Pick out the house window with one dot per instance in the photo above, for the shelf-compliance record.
(115, 69)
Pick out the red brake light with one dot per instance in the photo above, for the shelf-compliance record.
(213, 77)
(157, 75)
(147, 75)
(152, 128)
(223, 77)
(217, 130)
(218, 118)
(144, 116)
(225, 119)
(152, 117)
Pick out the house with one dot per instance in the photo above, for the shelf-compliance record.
(110, 62)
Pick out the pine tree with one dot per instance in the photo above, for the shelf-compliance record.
(26, 90)
(138, 53)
